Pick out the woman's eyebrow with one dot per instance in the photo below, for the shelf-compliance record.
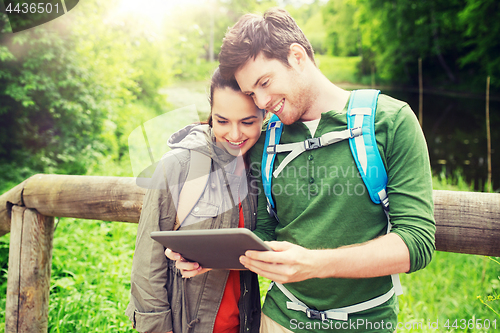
(243, 119)
(218, 115)
(248, 118)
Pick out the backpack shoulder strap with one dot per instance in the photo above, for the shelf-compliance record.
(196, 181)
(273, 135)
(361, 113)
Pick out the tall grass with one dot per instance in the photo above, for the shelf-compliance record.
(454, 181)
(90, 282)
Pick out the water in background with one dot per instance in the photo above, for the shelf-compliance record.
(455, 129)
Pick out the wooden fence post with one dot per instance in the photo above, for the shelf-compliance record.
(28, 281)
(13, 273)
(489, 187)
(420, 94)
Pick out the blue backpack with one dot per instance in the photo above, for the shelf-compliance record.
(361, 135)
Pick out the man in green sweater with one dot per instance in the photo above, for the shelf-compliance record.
(332, 248)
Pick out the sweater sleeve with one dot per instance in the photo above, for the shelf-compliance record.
(149, 309)
(410, 187)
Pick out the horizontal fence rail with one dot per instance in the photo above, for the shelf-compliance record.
(466, 222)
(87, 197)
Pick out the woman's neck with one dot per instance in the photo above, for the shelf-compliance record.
(240, 165)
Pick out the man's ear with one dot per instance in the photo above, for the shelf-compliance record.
(297, 56)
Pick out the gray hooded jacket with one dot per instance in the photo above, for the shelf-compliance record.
(161, 300)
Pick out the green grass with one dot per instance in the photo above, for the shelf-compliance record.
(451, 182)
(91, 276)
(448, 289)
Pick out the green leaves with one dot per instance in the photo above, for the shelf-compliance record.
(63, 83)
(480, 20)
(457, 39)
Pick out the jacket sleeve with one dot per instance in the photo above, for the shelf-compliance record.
(149, 309)
(410, 188)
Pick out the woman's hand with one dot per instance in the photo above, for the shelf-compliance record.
(188, 269)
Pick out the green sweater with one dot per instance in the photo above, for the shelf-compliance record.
(322, 203)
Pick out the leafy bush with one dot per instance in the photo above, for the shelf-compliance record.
(339, 69)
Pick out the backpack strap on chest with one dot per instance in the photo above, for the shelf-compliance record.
(298, 148)
(361, 134)
(273, 135)
(272, 147)
(361, 113)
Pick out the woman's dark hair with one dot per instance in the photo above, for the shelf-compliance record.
(218, 82)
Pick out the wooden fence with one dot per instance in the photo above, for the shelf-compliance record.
(467, 222)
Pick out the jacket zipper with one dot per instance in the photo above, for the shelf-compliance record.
(243, 305)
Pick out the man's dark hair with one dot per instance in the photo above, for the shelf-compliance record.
(272, 34)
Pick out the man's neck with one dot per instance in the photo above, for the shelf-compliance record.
(327, 97)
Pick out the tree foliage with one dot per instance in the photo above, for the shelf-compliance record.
(455, 38)
(196, 33)
(481, 22)
(343, 37)
(62, 86)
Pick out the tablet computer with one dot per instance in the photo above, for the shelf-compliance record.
(211, 248)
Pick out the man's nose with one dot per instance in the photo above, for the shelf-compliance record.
(261, 100)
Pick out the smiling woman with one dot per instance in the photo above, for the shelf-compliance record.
(210, 300)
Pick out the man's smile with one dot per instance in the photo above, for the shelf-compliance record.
(278, 107)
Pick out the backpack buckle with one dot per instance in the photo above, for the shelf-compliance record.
(356, 132)
(275, 124)
(271, 149)
(315, 314)
(312, 143)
